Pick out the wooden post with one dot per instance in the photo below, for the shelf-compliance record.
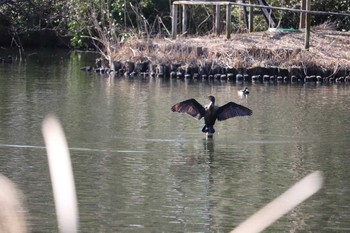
(217, 19)
(251, 9)
(213, 17)
(240, 13)
(174, 22)
(307, 25)
(228, 21)
(302, 15)
(184, 19)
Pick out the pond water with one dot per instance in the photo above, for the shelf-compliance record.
(141, 168)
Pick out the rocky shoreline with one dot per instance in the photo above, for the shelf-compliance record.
(214, 71)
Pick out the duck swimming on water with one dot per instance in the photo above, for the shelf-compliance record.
(211, 112)
(245, 91)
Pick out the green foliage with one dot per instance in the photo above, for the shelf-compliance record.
(24, 16)
(336, 6)
(77, 21)
(121, 18)
(291, 19)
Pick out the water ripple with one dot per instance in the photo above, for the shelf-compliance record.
(73, 148)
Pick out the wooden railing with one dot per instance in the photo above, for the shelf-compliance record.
(228, 5)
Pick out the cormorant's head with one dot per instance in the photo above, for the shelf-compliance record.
(212, 99)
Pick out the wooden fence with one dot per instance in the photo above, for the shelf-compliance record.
(176, 5)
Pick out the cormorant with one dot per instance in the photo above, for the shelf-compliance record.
(211, 112)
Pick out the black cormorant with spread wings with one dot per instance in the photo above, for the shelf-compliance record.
(211, 112)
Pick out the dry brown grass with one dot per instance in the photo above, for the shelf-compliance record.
(329, 49)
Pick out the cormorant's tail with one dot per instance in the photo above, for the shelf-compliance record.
(209, 129)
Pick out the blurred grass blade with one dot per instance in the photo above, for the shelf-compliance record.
(298, 193)
(12, 212)
(61, 175)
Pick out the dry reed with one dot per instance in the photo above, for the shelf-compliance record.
(12, 211)
(329, 50)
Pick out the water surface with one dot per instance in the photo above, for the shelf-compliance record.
(141, 168)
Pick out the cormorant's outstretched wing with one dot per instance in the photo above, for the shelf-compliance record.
(232, 110)
(191, 107)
